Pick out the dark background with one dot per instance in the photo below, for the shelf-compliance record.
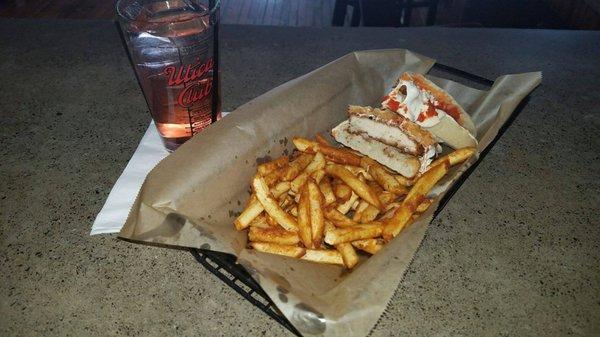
(552, 14)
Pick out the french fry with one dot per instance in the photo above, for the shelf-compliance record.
(260, 222)
(382, 177)
(340, 156)
(298, 182)
(296, 166)
(386, 197)
(321, 140)
(273, 177)
(317, 163)
(424, 184)
(348, 204)
(456, 157)
(305, 145)
(369, 214)
(317, 220)
(362, 205)
(424, 205)
(348, 253)
(389, 213)
(270, 221)
(375, 187)
(356, 170)
(289, 208)
(280, 189)
(327, 191)
(252, 210)
(329, 226)
(274, 235)
(371, 246)
(285, 201)
(392, 206)
(359, 187)
(339, 219)
(349, 234)
(304, 228)
(271, 207)
(294, 211)
(342, 191)
(273, 248)
(329, 256)
(403, 180)
(266, 168)
(421, 187)
(318, 175)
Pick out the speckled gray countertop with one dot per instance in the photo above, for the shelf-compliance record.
(515, 252)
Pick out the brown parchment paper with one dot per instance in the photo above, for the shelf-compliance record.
(192, 197)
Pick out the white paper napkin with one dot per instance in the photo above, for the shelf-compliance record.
(114, 213)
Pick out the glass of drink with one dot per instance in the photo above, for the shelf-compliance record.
(173, 46)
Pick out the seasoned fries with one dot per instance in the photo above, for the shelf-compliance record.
(295, 167)
(271, 207)
(304, 226)
(359, 187)
(350, 234)
(273, 248)
(424, 205)
(321, 140)
(324, 204)
(280, 189)
(371, 246)
(456, 157)
(342, 191)
(403, 180)
(348, 254)
(338, 218)
(362, 205)
(348, 204)
(323, 256)
(260, 222)
(382, 177)
(359, 170)
(274, 235)
(337, 155)
(273, 177)
(317, 220)
(416, 195)
(317, 163)
(266, 168)
(368, 214)
(327, 190)
(252, 210)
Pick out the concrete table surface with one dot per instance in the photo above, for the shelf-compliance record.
(515, 252)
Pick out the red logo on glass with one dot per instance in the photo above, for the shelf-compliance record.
(192, 74)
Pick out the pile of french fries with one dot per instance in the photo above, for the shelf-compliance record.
(326, 202)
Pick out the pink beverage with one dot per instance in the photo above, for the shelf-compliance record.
(173, 47)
